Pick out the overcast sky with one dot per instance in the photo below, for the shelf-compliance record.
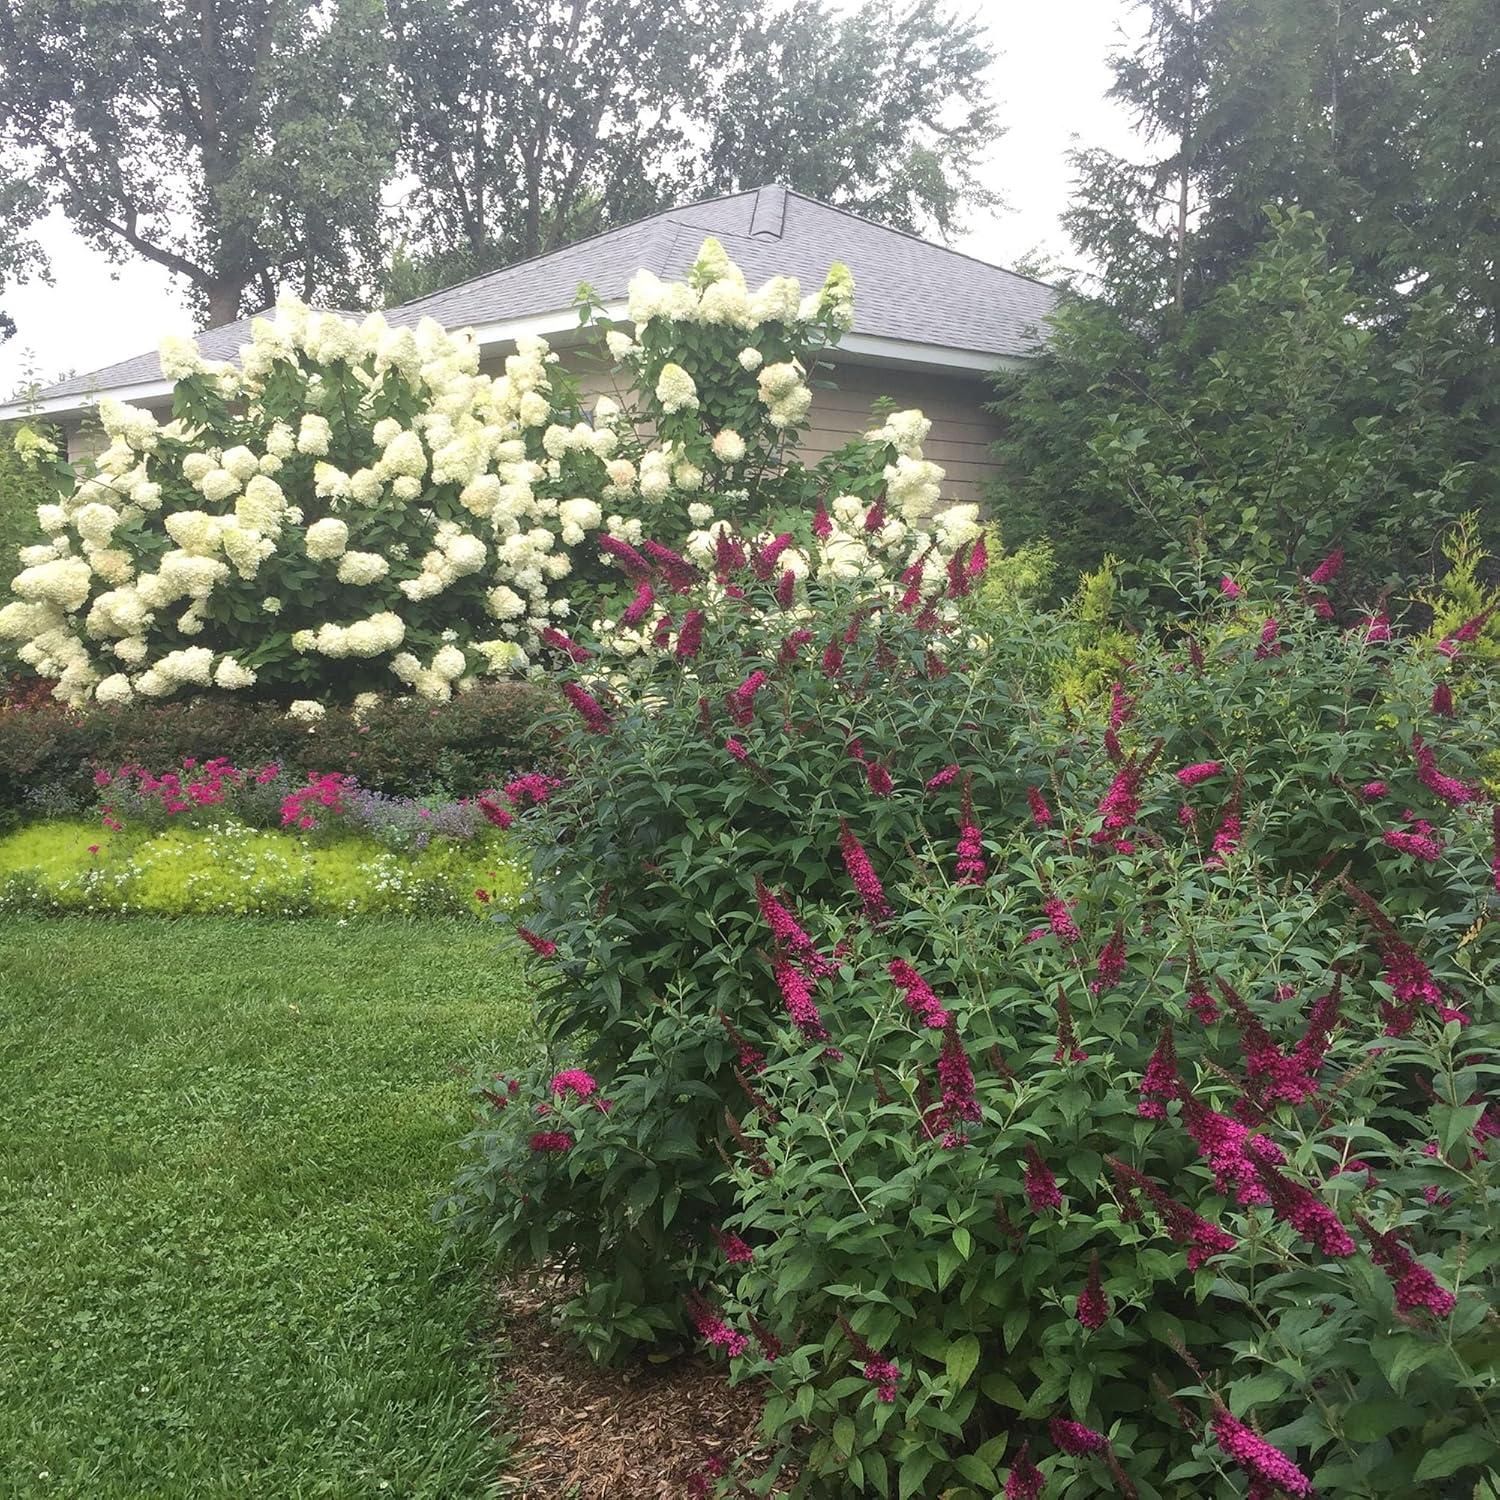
(1050, 79)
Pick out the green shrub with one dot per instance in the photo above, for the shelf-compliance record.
(228, 869)
(49, 754)
(1279, 414)
(856, 977)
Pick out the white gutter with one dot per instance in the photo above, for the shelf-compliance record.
(864, 348)
(79, 401)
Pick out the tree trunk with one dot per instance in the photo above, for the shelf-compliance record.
(222, 299)
(1187, 153)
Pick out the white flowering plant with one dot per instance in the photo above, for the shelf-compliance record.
(356, 507)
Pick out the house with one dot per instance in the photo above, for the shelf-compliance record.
(930, 323)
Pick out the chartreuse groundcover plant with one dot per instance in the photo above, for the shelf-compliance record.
(1033, 1102)
(356, 508)
(213, 838)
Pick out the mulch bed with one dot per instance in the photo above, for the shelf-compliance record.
(639, 1432)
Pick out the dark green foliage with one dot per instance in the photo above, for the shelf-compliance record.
(1375, 118)
(402, 748)
(242, 147)
(1273, 419)
(910, 81)
(529, 126)
(865, 1186)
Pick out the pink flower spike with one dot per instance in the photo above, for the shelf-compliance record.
(1060, 920)
(788, 932)
(1229, 588)
(766, 559)
(1074, 1439)
(679, 573)
(1025, 1480)
(595, 720)
(1270, 1470)
(959, 1102)
(736, 1251)
(630, 561)
(712, 1327)
(559, 642)
(690, 637)
(1327, 570)
(862, 873)
(884, 1374)
(917, 995)
(1041, 814)
(1419, 841)
(639, 607)
(542, 947)
(1203, 771)
(1111, 966)
(1093, 1300)
(796, 995)
(1160, 1082)
(1039, 1183)
(1448, 788)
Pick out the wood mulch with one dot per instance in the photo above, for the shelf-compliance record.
(583, 1432)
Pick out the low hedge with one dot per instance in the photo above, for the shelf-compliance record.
(49, 753)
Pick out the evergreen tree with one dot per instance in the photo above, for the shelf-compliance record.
(1377, 117)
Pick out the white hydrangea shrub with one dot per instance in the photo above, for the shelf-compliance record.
(314, 520)
(356, 508)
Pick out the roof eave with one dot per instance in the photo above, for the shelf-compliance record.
(861, 348)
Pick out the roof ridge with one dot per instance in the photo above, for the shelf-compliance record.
(909, 234)
(661, 213)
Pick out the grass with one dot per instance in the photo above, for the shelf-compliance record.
(219, 1143)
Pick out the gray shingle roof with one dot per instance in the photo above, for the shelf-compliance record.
(223, 342)
(904, 287)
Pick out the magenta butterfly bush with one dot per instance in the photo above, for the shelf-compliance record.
(963, 1176)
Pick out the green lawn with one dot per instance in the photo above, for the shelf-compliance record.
(219, 1141)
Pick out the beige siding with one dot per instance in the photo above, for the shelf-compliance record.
(962, 430)
(85, 439)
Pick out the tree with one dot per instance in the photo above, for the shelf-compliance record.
(1275, 418)
(20, 256)
(884, 111)
(530, 124)
(241, 144)
(1377, 115)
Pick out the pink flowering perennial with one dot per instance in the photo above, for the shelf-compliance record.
(1270, 1470)
(917, 995)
